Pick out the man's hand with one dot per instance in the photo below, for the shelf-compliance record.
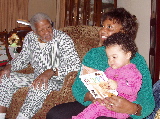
(6, 71)
(42, 79)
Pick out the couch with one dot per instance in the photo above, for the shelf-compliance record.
(84, 38)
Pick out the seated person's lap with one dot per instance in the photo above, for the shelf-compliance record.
(73, 109)
(59, 112)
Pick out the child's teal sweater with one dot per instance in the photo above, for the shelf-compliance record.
(96, 58)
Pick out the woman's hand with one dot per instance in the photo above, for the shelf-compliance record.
(89, 97)
(116, 104)
(120, 105)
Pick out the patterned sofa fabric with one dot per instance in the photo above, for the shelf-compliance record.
(84, 37)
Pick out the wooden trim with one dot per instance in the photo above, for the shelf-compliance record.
(77, 9)
(72, 10)
(157, 50)
(154, 54)
(115, 3)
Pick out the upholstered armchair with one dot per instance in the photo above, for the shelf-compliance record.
(85, 38)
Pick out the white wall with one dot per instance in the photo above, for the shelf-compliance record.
(142, 10)
(45, 6)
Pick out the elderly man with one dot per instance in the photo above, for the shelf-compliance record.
(52, 55)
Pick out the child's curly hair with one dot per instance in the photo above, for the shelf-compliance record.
(124, 40)
(123, 17)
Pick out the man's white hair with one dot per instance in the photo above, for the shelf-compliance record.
(38, 17)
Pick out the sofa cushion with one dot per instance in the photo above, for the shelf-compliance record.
(84, 37)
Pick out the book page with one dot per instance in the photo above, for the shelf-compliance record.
(97, 84)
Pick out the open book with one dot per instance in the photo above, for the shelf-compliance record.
(97, 84)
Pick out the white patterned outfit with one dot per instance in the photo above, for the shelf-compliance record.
(41, 60)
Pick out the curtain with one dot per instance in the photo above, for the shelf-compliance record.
(11, 10)
(60, 16)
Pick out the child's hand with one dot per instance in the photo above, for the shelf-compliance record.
(112, 84)
(87, 70)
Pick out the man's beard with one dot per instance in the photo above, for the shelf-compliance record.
(44, 40)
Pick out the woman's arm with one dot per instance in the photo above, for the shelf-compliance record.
(145, 95)
(79, 90)
(122, 105)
